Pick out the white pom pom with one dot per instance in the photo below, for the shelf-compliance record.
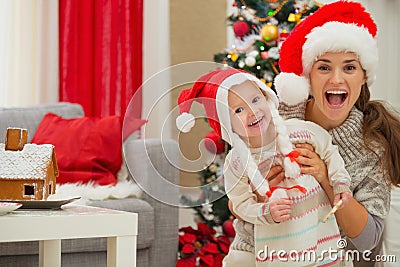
(292, 168)
(278, 194)
(291, 89)
(185, 122)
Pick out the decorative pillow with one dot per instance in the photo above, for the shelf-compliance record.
(88, 149)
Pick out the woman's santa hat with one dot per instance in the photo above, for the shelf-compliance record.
(335, 27)
(211, 90)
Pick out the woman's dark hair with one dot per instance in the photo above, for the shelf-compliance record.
(382, 125)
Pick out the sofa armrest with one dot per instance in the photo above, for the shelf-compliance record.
(153, 164)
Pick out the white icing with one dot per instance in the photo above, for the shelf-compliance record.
(29, 163)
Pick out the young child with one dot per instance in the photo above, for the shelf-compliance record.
(288, 225)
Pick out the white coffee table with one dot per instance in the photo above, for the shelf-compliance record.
(73, 221)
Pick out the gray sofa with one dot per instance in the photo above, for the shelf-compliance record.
(158, 222)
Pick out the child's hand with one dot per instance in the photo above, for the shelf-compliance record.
(345, 197)
(280, 209)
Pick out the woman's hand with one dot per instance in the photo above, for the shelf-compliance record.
(311, 162)
(345, 197)
(274, 175)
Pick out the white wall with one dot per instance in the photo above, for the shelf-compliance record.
(387, 85)
(156, 59)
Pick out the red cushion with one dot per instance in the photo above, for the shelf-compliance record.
(87, 148)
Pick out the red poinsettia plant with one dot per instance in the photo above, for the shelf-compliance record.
(201, 247)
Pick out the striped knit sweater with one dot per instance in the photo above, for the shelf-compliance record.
(303, 235)
(369, 182)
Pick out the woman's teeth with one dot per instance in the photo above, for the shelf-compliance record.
(336, 97)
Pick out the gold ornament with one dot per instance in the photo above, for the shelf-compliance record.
(270, 32)
(295, 17)
(292, 17)
(234, 57)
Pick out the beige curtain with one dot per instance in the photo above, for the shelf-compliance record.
(28, 52)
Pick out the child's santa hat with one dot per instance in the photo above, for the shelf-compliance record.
(335, 27)
(211, 90)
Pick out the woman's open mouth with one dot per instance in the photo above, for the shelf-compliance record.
(335, 98)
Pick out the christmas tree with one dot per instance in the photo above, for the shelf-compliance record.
(260, 27)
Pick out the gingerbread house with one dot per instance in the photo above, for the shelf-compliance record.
(27, 171)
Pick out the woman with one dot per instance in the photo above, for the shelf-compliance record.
(333, 55)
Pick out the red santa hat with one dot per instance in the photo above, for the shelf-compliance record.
(211, 90)
(335, 27)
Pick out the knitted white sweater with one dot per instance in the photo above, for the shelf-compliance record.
(304, 232)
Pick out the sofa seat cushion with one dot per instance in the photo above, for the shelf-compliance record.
(145, 216)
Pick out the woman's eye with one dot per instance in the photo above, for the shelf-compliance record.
(350, 67)
(256, 99)
(238, 110)
(323, 67)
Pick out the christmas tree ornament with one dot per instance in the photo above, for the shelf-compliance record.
(241, 28)
(283, 35)
(269, 32)
(264, 54)
(234, 56)
(296, 18)
(273, 52)
(228, 229)
(253, 53)
(250, 61)
(268, 76)
(213, 167)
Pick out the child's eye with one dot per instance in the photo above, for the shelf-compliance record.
(255, 99)
(238, 110)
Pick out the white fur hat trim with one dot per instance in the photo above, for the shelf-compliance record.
(337, 36)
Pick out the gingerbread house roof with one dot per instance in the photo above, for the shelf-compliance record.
(31, 162)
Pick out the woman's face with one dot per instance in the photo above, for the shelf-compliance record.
(336, 80)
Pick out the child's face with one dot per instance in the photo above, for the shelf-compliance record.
(249, 110)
